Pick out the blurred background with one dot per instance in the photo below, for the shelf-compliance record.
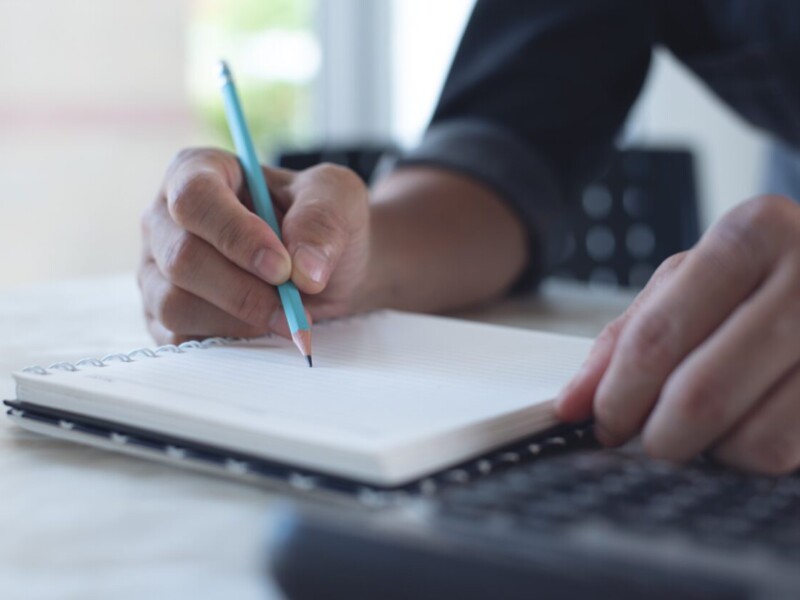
(97, 96)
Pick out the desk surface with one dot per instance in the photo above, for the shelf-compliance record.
(82, 523)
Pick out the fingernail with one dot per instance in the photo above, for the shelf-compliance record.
(312, 263)
(272, 266)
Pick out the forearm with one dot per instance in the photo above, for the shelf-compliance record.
(439, 241)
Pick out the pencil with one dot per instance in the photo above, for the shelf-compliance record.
(289, 295)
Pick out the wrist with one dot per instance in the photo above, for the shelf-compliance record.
(374, 291)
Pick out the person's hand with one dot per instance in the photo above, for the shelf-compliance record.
(708, 356)
(210, 265)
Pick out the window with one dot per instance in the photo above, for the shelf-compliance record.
(274, 52)
(424, 38)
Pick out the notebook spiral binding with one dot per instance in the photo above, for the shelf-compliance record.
(127, 357)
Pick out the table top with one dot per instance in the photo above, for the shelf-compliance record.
(78, 522)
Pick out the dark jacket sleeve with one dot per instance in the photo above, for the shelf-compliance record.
(747, 52)
(536, 93)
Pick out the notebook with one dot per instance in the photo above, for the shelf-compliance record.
(392, 398)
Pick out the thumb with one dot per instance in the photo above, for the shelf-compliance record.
(324, 213)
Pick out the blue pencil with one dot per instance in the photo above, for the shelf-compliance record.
(290, 296)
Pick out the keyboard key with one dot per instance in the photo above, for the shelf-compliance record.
(714, 507)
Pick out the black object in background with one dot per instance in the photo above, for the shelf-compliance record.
(365, 160)
(621, 227)
(643, 210)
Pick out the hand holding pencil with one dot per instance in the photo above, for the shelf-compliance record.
(212, 266)
(292, 304)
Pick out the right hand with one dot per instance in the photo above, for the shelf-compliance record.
(210, 265)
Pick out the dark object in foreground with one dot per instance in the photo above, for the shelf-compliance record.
(589, 523)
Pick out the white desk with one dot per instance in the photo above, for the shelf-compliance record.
(81, 523)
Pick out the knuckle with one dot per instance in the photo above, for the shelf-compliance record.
(185, 155)
(699, 398)
(193, 154)
(746, 233)
(733, 243)
(671, 263)
(609, 333)
(186, 204)
(651, 342)
(351, 190)
(179, 262)
(171, 308)
(768, 210)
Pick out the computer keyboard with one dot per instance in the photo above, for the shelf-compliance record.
(558, 518)
(711, 505)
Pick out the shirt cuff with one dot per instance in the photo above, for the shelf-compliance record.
(500, 160)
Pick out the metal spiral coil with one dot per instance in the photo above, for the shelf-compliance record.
(127, 357)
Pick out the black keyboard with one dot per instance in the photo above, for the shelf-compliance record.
(712, 505)
(559, 519)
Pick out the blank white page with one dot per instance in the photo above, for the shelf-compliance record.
(379, 381)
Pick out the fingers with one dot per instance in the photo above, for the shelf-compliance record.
(768, 440)
(216, 258)
(329, 209)
(722, 379)
(713, 280)
(575, 401)
(193, 265)
(176, 314)
(200, 193)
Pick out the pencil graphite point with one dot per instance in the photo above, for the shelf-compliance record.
(302, 339)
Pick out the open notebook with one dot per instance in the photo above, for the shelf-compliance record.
(392, 397)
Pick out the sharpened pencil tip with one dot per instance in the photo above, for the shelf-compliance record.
(302, 338)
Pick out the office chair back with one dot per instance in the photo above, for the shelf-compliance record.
(622, 226)
(643, 210)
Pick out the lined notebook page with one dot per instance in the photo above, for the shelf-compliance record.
(378, 380)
